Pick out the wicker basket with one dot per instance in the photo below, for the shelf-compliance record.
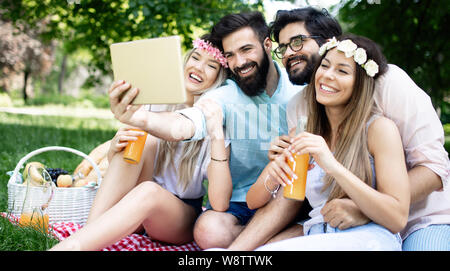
(70, 204)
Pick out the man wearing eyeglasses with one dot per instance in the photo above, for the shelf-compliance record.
(299, 34)
(299, 67)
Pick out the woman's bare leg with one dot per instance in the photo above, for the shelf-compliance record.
(165, 217)
(121, 177)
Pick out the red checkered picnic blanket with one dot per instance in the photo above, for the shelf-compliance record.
(133, 242)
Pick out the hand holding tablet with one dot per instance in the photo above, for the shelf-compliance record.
(154, 66)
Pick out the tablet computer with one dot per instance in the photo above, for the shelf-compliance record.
(155, 66)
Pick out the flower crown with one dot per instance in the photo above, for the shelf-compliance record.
(351, 49)
(211, 50)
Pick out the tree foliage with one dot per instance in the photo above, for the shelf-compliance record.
(22, 51)
(413, 35)
(96, 24)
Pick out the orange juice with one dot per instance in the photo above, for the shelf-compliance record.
(300, 167)
(35, 219)
(133, 150)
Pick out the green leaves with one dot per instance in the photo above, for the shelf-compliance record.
(413, 35)
(95, 24)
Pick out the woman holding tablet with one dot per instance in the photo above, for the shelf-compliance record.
(163, 193)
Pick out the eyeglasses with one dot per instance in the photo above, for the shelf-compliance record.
(296, 44)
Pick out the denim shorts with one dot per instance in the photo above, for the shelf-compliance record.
(303, 213)
(196, 204)
(240, 210)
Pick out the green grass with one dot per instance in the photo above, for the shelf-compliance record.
(15, 238)
(22, 134)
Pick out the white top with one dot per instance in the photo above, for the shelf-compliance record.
(316, 198)
(314, 184)
(401, 100)
(169, 180)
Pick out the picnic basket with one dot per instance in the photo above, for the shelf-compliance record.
(70, 204)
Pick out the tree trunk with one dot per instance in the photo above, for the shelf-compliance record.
(62, 74)
(25, 83)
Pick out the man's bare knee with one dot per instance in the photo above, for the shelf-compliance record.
(215, 229)
(268, 221)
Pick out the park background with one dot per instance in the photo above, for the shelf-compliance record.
(55, 66)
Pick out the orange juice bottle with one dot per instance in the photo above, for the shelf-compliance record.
(133, 150)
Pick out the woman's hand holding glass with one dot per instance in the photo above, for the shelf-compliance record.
(278, 145)
(317, 147)
(278, 169)
(120, 140)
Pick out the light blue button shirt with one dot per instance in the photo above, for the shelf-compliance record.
(250, 123)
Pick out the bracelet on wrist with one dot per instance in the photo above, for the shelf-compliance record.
(219, 160)
(274, 192)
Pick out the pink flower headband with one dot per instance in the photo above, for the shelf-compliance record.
(211, 50)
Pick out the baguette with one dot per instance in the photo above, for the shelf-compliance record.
(97, 155)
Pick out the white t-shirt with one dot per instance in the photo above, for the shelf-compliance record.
(168, 179)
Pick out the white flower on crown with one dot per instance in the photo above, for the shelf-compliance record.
(323, 49)
(360, 56)
(331, 43)
(348, 47)
(371, 68)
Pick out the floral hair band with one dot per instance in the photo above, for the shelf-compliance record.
(350, 49)
(211, 50)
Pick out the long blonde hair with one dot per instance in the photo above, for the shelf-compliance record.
(190, 150)
(351, 148)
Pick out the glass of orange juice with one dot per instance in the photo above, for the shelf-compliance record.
(299, 166)
(133, 151)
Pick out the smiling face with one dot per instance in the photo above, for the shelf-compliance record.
(299, 65)
(201, 71)
(247, 60)
(335, 78)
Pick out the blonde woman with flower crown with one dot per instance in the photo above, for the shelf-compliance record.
(162, 195)
(355, 154)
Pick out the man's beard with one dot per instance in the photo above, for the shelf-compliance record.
(303, 77)
(254, 84)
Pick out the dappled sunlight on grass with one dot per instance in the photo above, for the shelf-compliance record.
(60, 121)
